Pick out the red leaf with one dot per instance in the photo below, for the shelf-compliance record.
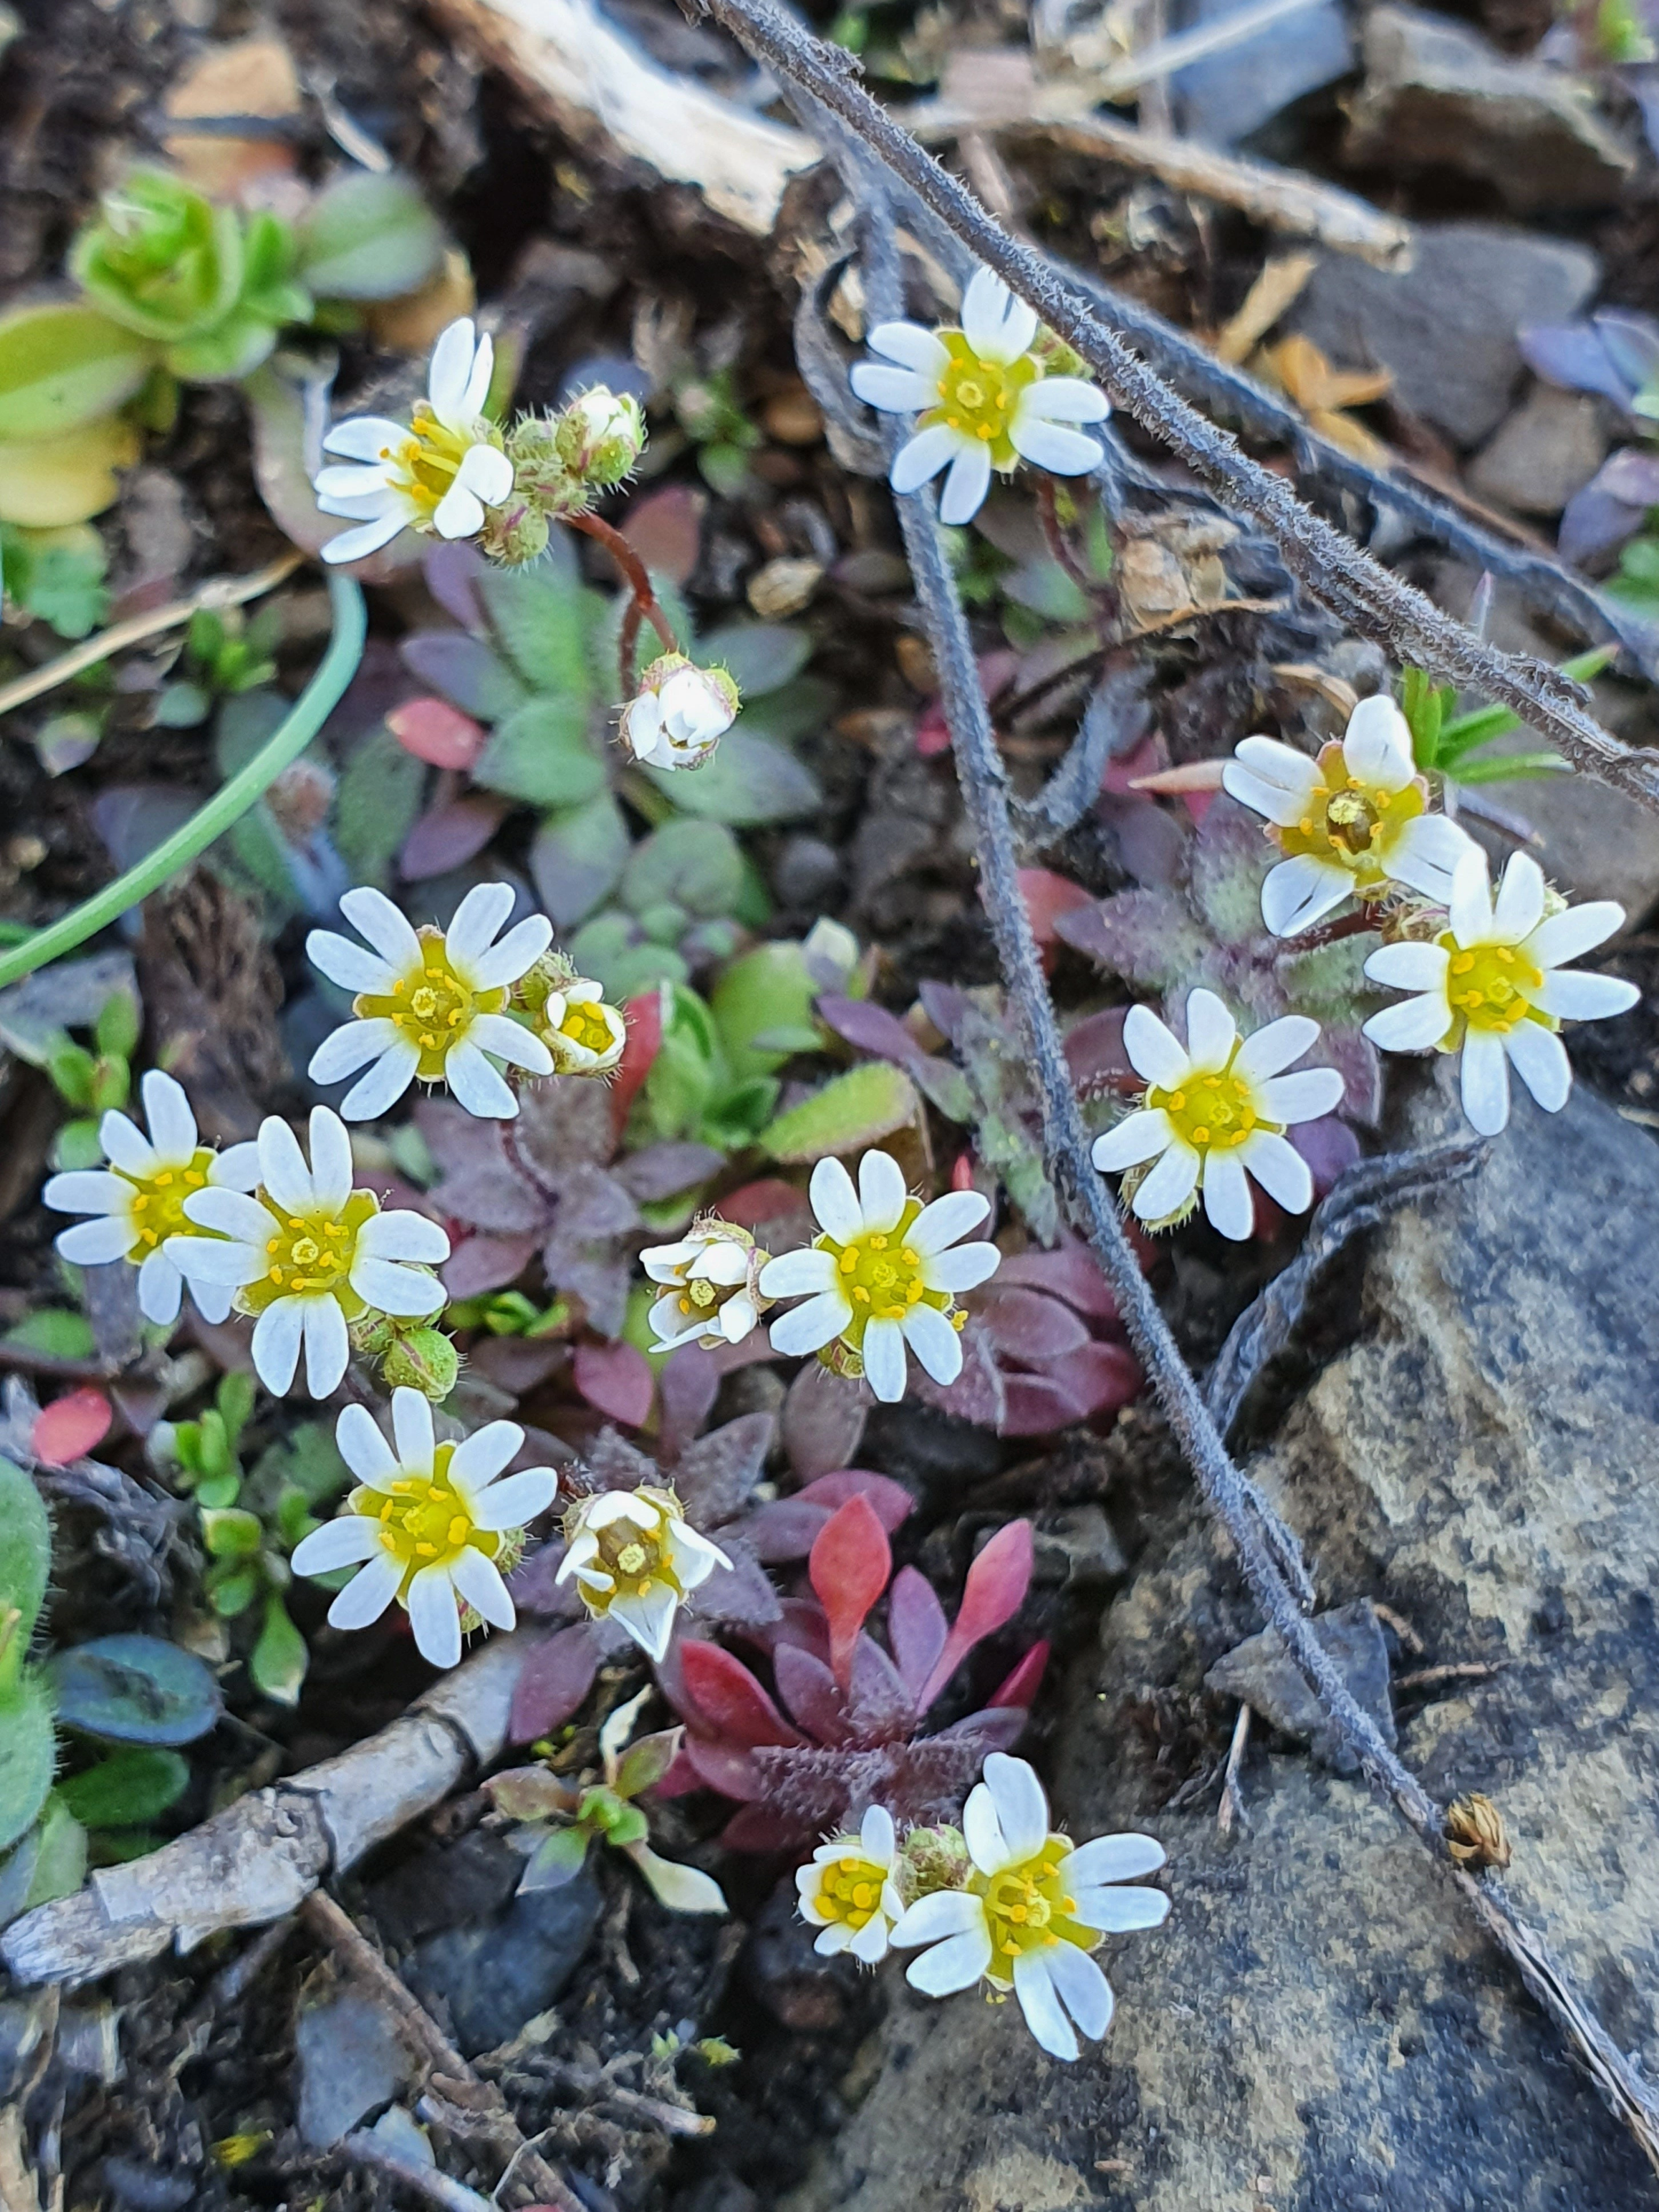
(1071, 1273)
(848, 1568)
(1095, 1053)
(618, 1379)
(1026, 1325)
(1036, 1406)
(436, 732)
(993, 1595)
(721, 1766)
(769, 1199)
(556, 1678)
(71, 1427)
(916, 1628)
(1046, 895)
(1101, 1377)
(729, 1700)
(1020, 1688)
(643, 1015)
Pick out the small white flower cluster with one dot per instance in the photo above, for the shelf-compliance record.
(1008, 1902)
(1355, 823)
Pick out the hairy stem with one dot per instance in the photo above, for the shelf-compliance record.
(644, 601)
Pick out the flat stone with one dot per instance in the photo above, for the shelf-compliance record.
(1436, 95)
(1446, 326)
(492, 1978)
(1321, 2024)
(1549, 448)
(1235, 94)
(1260, 1674)
(351, 2061)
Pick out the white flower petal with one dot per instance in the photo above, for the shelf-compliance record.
(477, 1579)
(386, 927)
(1044, 2014)
(1563, 937)
(997, 326)
(1289, 776)
(1081, 1988)
(477, 918)
(1539, 1059)
(1021, 1807)
(1123, 1857)
(450, 372)
(1485, 1081)
(1376, 748)
(1302, 1095)
(94, 1244)
(277, 1338)
(965, 486)
(1155, 1053)
(480, 1459)
(376, 1092)
(506, 1039)
(478, 382)
(1170, 1185)
(1470, 903)
(237, 1168)
(1271, 1049)
(402, 1233)
(648, 1619)
(835, 1201)
(809, 1327)
(365, 1450)
(366, 1595)
(365, 437)
(877, 1838)
(1519, 907)
(797, 1274)
(1412, 1025)
(126, 1147)
(345, 1541)
(835, 1938)
(1065, 399)
(1425, 855)
(475, 1084)
(412, 1430)
(1280, 1168)
(435, 1618)
(1120, 1911)
(88, 1190)
(894, 391)
(912, 345)
(486, 472)
(1227, 1200)
(1301, 892)
(357, 546)
(328, 1346)
(1211, 1033)
(211, 1301)
(924, 455)
(870, 1944)
(946, 1220)
(351, 1046)
(1409, 967)
(1573, 996)
(233, 1213)
(882, 1191)
(1051, 446)
(282, 1167)
(457, 513)
(518, 952)
(515, 1500)
(883, 1360)
(331, 1159)
(166, 1111)
(932, 1339)
(345, 488)
(956, 1964)
(161, 1289)
(394, 1290)
(211, 1260)
(965, 1267)
(942, 1912)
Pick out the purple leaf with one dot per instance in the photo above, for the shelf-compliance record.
(616, 1464)
(1147, 937)
(600, 1283)
(813, 1695)
(664, 1170)
(1070, 1273)
(738, 1596)
(1631, 475)
(992, 1593)
(993, 1728)
(480, 1185)
(1594, 523)
(452, 570)
(869, 1027)
(1097, 1377)
(891, 1500)
(555, 1678)
(479, 1265)
(718, 1473)
(878, 1705)
(1025, 1325)
(1038, 1405)
(1631, 342)
(752, 1830)
(1329, 1145)
(1571, 355)
(823, 1421)
(517, 1363)
(945, 1007)
(465, 670)
(593, 1205)
(447, 836)
(616, 1378)
(688, 1382)
(802, 1622)
(976, 1395)
(1151, 842)
(725, 1767)
(785, 1529)
(916, 1628)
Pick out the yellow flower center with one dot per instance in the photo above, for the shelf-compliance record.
(1484, 985)
(428, 461)
(586, 1026)
(1350, 823)
(431, 1005)
(424, 1521)
(850, 1889)
(1027, 1908)
(635, 1559)
(1213, 1112)
(980, 397)
(157, 1204)
(311, 1255)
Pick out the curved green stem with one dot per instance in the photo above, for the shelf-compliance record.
(227, 806)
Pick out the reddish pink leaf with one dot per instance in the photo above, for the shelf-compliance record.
(1070, 1273)
(993, 1593)
(618, 1379)
(769, 1199)
(916, 1628)
(729, 1699)
(751, 1830)
(1101, 1377)
(448, 836)
(1095, 1053)
(722, 1767)
(664, 529)
(812, 1694)
(1035, 1406)
(436, 732)
(962, 1171)
(1020, 1688)
(848, 1568)
(71, 1427)
(1026, 1325)
(682, 1778)
(643, 1015)
(556, 1678)
(803, 1623)
(1046, 895)
(932, 732)
(891, 1500)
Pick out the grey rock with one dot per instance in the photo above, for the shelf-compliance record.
(806, 871)
(1241, 91)
(491, 1978)
(1436, 95)
(1446, 326)
(1076, 1546)
(1320, 2026)
(350, 2061)
(1549, 448)
(1258, 1674)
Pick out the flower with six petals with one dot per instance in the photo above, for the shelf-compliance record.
(1035, 1906)
(308, 1254)
(634, 1558)
(983, 401)
(427, 1525)
(436, 474)
(1494, 986)
(138, 1199)
(711, 1286)
(883, 1274)
(1214, 1113)
(430, 1003)
(849, 1893)
(1353, 823)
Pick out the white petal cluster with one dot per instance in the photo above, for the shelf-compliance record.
(427, 1524)
(847, 1891)
(883, 1276)
(710, 1282)
(429, 1004)
(138, 1202)
(1354, 822)
(1215, 1112)
(582, 1031)
(680, 714)
(1034, 1907)
(437, 474)
(984, 401)
(634, 1558)
(1494, 986)
(308, 1254)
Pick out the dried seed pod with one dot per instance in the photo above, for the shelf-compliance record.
(1475, 1834)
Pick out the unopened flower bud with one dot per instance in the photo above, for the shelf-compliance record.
(600, 436)
(569, 1013)
(424, 1359)
(933, 1858)
(1475, 1834)
(680, 713)
(515, 534)
(710, 1286)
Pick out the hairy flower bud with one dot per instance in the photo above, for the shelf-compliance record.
(423, 1359)
(932, 1858)
(680, 713)
(600, 436)
(569, 1013)
(515, 534)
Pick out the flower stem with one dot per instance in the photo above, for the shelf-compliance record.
(644, 601)
(227, 806)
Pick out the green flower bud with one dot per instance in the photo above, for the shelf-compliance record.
(424, 1359)
(600, 436)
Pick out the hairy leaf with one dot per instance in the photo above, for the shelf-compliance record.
(851, 1111)
(135, 1689)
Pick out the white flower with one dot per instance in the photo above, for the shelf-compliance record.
(881, 1276)
(984, 401)
(585, 1034)
(427, 1524)
(430, 1003)
(1035, 1906)
(711, 1279)
(1492, 984)
(1216, 1110)
(437, 475)
(847, 1891)
(680, 713)
(139, 1198)
(307, 1253)
(1352, 822)
(634, 1558)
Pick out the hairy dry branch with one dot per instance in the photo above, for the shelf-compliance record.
(1363, 594)
(262, 1856)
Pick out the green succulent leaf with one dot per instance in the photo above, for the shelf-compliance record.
(697, 866)
(746, 781)
(578, 858)
(29, 1754)
(61, 368)
(134, 1689)
(25, 1564)
(278, 1661)
(368, 237)
(160, 258)
(851, 1111)
(763, 1008)
(759, 657)
(128, 1789)
(542, 754)
(56, 575)
(56, 1331)
(559, 1858)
